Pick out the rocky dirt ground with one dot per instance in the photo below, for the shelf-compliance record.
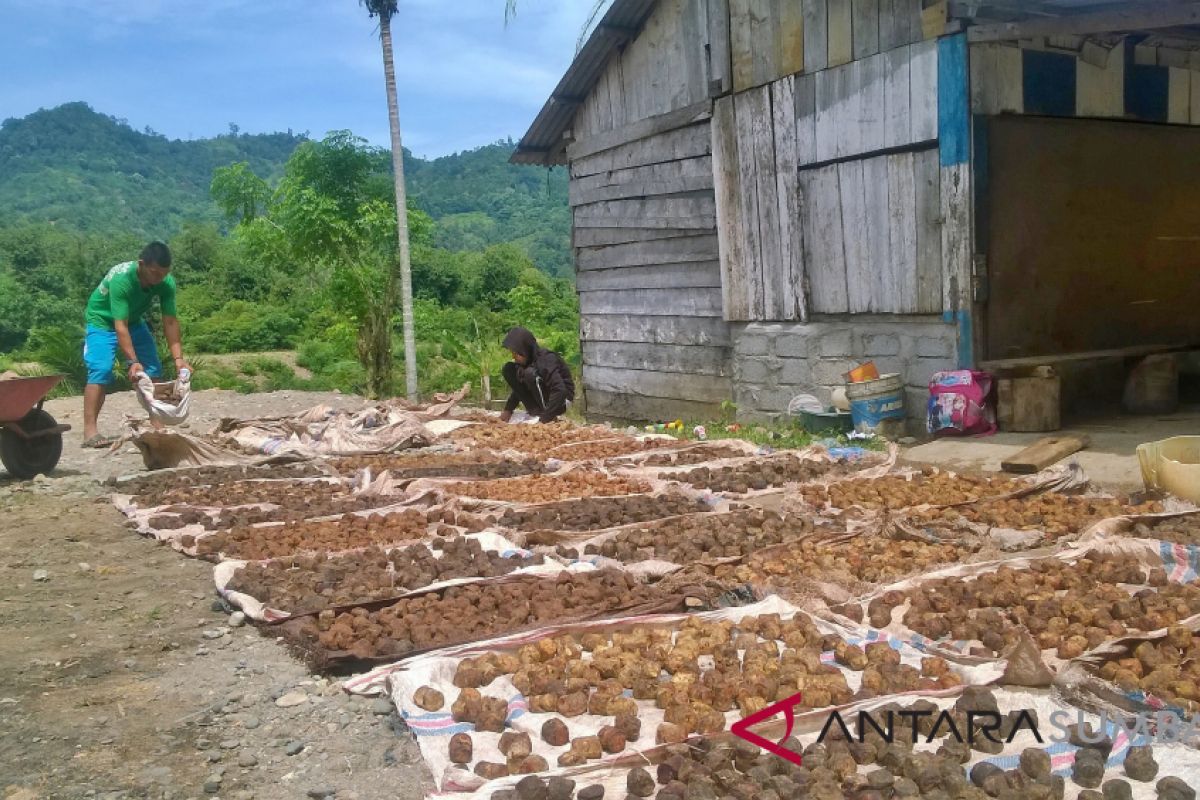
(122, 677)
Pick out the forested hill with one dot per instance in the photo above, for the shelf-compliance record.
(80, 169)
(74, 167)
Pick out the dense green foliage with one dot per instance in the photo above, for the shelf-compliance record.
(283, 243)
(70, 166)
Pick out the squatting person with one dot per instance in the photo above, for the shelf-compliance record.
(539, 378)
(115, 326)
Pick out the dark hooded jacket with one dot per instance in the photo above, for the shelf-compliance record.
(545, 375)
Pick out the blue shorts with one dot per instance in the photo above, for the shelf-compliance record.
(100, 350)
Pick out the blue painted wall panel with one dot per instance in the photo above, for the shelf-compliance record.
(954, 140)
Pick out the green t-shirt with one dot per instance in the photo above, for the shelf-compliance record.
(121, 296)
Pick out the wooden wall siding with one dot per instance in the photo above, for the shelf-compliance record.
(836, 32)
(690, 359)
(666, 67)
(647, 270)
(766, 41)
(757, 203)
(884, 101)
(871, 232)
(1121, 82)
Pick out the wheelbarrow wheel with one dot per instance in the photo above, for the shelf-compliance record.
(24, 458)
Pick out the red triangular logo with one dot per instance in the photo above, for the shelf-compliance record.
(742, 727)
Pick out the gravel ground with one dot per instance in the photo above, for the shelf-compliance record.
(120, 677)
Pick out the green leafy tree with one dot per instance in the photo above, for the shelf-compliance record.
(240, 193)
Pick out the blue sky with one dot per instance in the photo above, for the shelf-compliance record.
(188, 69)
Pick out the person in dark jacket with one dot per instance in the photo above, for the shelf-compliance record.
(539, 378)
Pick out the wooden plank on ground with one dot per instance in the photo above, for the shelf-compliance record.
(927, 180)
(682, 275)
(841, 37)
(649, 383)
(880, 269)
(806, 119)
(824, 251)
(783, 109)
(854, 235)
(730, 214)
(600, 237)
(618, 406)
(816, 37)
(902, 232)
(691, 359)
(1100, 90)
(897, 97)
(659, 251)
(1042, 453)
(686, 302)
(642, 129)
(660, 328)
(689, 142)
(923, 77)
(748, 105)
(865, 21)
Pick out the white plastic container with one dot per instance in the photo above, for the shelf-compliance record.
(1172, 465)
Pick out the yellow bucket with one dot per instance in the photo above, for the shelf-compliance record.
(1172, 465)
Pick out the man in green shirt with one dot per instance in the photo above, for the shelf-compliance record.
(114, 323)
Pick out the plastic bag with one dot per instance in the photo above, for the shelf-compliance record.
(167, 403)
(959, 403)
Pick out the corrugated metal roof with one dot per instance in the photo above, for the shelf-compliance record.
(543, 143)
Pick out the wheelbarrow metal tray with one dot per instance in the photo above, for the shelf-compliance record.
(19, 395)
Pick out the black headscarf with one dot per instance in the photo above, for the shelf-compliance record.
(520, 340)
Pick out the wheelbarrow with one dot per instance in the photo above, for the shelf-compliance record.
(30, 439)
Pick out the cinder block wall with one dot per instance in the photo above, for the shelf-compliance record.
(773, 362)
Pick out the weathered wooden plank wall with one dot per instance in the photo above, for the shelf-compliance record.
(745, 160)
(647, 269)
(666, 67)
(1083, 78)
(758, 204)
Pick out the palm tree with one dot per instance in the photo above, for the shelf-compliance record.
(385, 10)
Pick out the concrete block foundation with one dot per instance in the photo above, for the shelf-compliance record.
(775, 361)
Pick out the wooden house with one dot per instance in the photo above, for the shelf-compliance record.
(768, 192)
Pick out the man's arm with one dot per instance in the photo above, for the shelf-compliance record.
(125, 342)
(175, 342)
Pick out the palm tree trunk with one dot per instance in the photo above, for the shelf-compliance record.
(406, 306)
